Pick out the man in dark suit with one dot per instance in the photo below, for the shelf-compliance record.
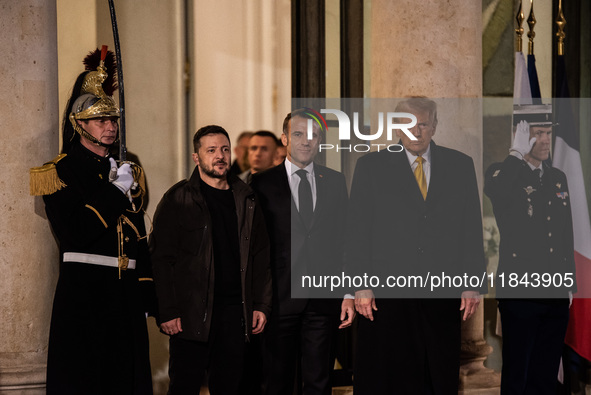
(409, 224)
(532, 208)
(304, 206)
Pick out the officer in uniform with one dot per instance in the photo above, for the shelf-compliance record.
(98, 341)
(536, 264)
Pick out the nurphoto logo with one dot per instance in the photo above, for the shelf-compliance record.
(392, 120)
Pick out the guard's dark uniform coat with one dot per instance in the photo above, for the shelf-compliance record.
(535, 223)
(98, 342)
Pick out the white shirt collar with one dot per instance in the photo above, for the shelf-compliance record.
(426, 155)
(541, 167)
(291, 168)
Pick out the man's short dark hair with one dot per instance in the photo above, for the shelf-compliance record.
(302, 113)
(266, 133)
(207, 130)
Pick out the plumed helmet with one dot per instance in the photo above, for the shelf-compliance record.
(94, 100)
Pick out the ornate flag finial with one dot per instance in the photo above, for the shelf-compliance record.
(519, 30)
(531, 21)
(561, 22)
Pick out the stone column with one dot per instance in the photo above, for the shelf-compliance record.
(29, 125)
(433, 48)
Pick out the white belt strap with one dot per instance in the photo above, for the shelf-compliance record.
(95, 259)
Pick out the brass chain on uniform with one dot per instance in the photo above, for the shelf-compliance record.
(123, 259)
(127, 221)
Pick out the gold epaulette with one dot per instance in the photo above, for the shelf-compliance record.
(44, 180)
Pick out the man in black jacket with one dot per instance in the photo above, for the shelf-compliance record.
(536, 262)
(210, 255)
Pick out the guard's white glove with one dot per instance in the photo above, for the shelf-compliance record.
(124, 180)
(522, 144)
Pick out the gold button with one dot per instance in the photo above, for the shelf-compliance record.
(548, 218)
(550, 234)
(549, 202)
(126, 238)
(528, 199)
(551, 249)
(514, 255)
(564, 203)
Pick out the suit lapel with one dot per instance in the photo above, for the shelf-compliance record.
(321, 193)
(437, 170)
(284, 187)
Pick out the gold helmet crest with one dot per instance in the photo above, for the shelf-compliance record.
(93, 102)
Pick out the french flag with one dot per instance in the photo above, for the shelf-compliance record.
(567, 158)
(521, 84)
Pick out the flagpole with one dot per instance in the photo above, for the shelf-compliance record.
(519, 30)
(531, 21)
(560, 22)
(531, 59)
(521, 86)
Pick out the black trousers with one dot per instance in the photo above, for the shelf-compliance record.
(533, 339)
(222, 356)
(309, 336)
(411, 347)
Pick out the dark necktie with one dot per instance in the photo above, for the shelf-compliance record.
(305, 197)
(538, 177)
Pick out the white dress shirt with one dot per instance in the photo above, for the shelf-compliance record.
(426, 164)
(294, 181)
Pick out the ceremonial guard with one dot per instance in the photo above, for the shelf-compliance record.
(536, 260)
(98, 342)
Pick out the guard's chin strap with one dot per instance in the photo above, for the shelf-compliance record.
(88, 136)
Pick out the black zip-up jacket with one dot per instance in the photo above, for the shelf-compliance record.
(181, 248)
